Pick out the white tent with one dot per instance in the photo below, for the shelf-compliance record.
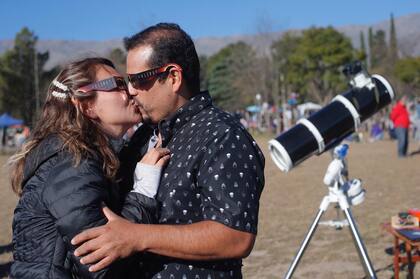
(309, 106)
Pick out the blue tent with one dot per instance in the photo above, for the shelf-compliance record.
(6, 120)
(253, 109)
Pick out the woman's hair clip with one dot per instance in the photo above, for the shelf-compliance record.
(60, 85)
(60, 95)
(64, 88)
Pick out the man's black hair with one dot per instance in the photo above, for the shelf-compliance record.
(170, 44)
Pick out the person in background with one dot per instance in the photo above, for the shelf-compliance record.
(416, 136)
(376, 132)
(401, 120)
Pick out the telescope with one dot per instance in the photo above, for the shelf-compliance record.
(340, 118)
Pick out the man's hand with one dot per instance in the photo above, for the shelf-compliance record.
(105, 244)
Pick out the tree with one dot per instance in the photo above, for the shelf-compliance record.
(23, 79)
(378, 49)
(117, 56)
(315, 65)
(362, 55)
(408, 71)
(370, 43)
(393, 48)
(281, 51)
(203, 72)
(220, 83)
(231, 76)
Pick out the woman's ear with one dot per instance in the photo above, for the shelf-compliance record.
(87, 108)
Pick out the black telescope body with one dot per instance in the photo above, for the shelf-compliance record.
(333, 123)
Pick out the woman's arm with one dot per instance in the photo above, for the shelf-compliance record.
(140, 205)
(140, 209)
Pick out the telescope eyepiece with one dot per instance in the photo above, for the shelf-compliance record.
(352, 69)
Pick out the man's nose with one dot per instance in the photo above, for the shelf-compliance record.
(131, 90)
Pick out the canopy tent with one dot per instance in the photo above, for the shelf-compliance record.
(6, 120)
(309, 106)
(253, 109)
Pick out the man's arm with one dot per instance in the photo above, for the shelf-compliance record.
(206, 240)
(230, 202)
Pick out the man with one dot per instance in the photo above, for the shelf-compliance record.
(209, 192)
(400, 118)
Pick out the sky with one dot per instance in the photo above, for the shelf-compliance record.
(106, 19)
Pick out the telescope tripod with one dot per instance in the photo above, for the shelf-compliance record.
(335, 179)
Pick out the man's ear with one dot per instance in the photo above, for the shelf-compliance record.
(87, 108)
(175, 75)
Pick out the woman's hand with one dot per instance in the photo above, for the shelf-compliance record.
(157, 156)
(148, 170)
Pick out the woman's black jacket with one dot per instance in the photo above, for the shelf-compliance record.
(60, 200)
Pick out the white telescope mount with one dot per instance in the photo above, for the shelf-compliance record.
(343, 193)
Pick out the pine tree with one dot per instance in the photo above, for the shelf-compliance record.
(370, 42)
(230, 76)
(117, 56)
(378, 50)
(203, 72)
(363, 53)
(18, 85)
(393, 49)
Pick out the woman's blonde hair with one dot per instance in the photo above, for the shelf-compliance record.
(62, 115)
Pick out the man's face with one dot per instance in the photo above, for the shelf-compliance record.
(155, 98)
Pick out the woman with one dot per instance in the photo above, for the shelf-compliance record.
(65, 172)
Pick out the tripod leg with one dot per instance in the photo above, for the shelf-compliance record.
(304, 244)
(359, 245)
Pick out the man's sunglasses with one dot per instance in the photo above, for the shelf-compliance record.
(109, 84)
(140, 80)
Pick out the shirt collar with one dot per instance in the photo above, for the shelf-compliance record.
(169, 126)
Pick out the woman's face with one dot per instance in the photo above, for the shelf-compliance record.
(115, 110)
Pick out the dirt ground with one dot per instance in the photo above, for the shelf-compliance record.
(288, 205)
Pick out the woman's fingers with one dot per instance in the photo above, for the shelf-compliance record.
(154, 155)
(159, 142)
(163, 160)
(162, 151)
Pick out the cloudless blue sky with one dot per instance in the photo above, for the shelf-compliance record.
(105, 19)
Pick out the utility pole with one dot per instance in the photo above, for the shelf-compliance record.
(36, 82)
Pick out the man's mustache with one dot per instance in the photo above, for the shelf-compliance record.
(138, 103)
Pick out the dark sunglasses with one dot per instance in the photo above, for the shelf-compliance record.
(142, 79)
(109, 84)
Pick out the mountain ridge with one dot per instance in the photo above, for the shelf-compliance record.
(62, 51)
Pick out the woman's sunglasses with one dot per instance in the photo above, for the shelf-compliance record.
(142, 79)
(109, 84)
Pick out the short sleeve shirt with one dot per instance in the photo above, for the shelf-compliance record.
(216, 170)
